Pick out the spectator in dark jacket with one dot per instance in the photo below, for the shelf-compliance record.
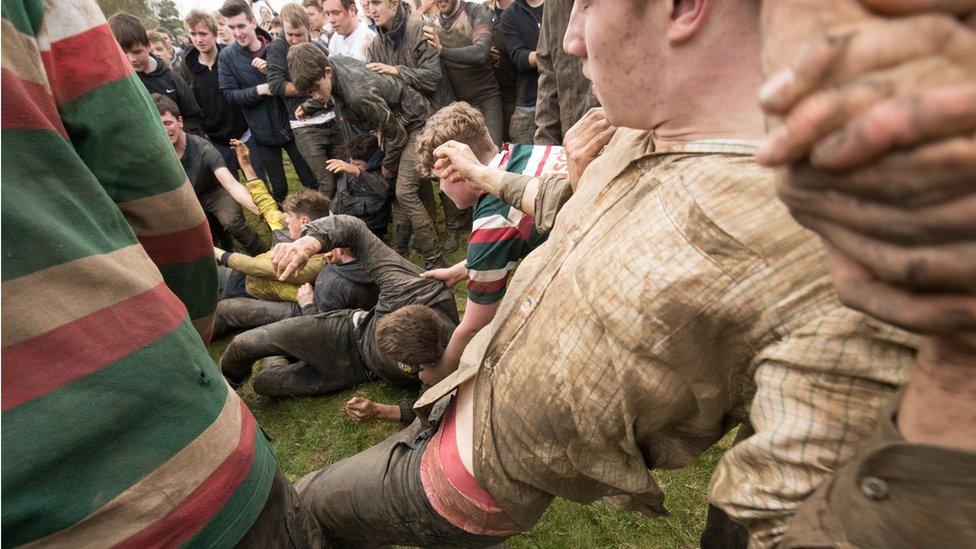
(134, 41)
(521, 23)
(221, 120)
(243, 79)
(316, 132)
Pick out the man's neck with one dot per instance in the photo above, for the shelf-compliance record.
(180, 145)
(208, 58)
(457, 8)
(151, 66)
(314, 34)
(352, 31)
(716, 100)
(255, 44)
(534, 3)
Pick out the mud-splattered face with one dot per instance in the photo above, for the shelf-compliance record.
(622, 47)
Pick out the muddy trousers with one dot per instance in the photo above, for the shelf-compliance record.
(285, 521)
(305, 356)
(376, 498)
(410, 207)
(218, 203)
(244, 313)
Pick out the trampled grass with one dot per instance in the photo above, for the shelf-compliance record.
(310, 433)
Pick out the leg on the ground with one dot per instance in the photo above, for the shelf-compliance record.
(721, 532)
(271, 159)
(285, 521)
(317, 145)
(305, 174)
(280, 377)
(244, 313)
(228, 212)
(455, 222)
(408, 188)
(325, 342)
(376, 497)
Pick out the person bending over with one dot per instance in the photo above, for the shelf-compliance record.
(409, 326)
(371, 100)
(252, 295)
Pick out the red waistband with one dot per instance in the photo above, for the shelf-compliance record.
(454, 492)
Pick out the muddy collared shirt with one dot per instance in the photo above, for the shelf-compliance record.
(674, 297)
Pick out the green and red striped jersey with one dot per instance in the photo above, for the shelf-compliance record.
(501, 235)
(118, 428)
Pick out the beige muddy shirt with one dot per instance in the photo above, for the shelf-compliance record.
(674, 297)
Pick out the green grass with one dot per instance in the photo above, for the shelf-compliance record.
(309, 433)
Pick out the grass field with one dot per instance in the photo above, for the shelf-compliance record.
(309, 433)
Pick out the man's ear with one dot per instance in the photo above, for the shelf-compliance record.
(687, 17)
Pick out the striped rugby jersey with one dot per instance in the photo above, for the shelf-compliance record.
(502, 235)
(118, 428)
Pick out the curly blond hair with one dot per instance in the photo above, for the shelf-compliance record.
(459, 122)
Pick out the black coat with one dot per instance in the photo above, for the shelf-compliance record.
(221, 120)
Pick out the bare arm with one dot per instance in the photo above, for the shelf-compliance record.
(236, 190)
(476, 317)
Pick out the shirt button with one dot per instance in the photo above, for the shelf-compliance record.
(874, 488)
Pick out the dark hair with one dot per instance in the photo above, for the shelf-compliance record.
(128, 31)
(164, 30)
(413, 335)
(307, 202)
(346, 4)
(360, 147)
(306, 65)
(233, 8)
(165, 105)
(312, 4)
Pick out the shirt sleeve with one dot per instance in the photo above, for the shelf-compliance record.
(477, 53)
(426, 76)
(211, 157)
(518, 49)
(493, 253)
(372, 108)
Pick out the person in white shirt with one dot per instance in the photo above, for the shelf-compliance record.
(351, 37)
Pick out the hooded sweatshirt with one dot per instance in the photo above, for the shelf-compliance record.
(166, 82)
